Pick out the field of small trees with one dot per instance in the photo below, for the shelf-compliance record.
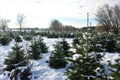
(62, 52)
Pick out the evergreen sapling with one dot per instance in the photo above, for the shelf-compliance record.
(57, 57)
(87, 66)
(37, 48)
(17, 64)
(15, 58)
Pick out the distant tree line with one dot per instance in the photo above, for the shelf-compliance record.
(108, 18)
(58, 26)
(20, 22)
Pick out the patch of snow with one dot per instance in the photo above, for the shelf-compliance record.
(42, 71)
(76, 56)
(110, 57)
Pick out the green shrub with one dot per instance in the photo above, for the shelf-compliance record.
(4, 40)
(28, 37)
(18, 38)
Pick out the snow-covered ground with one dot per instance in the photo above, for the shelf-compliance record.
(40, 69)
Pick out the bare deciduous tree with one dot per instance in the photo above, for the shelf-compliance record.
(4, 24)
(56, 25)
(109, 17)
(21, 20)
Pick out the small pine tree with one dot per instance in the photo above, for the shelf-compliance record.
(35, 51)
(17, 63)
(18, 38)
(87, 66)
(4, 40)
(42, 45)
(57, 58)
(15, 58)
(65, 48)
(37, 47)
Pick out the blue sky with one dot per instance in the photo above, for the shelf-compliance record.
(78, 22)
(39, 13)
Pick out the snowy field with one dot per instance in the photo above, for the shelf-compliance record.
(40, 69)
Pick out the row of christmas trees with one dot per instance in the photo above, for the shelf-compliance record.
(17, 61)
(85, 61)
(87, 65)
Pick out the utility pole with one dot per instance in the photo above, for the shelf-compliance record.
(87, 34)
(87, 19)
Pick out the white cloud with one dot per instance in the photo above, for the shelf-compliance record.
(40, 12)
(92, 5)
